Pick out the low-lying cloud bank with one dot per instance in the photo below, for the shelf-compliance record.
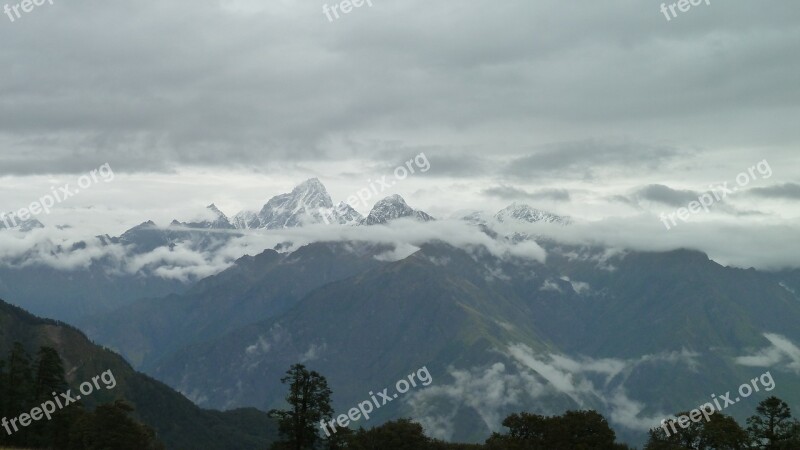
(66, 249)
(528, 377)
(763, 245)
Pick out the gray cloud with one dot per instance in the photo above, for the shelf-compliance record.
(666, 195)
(678, 198)
(583, 159)
(232, 101)
(154, 86)
(783, 191)
(512, 193)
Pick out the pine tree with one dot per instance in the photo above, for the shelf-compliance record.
(49, 374)
(19, 386)
(18, 389)
(772, 427)
(3, 400)
(49, 379)
(309, 400)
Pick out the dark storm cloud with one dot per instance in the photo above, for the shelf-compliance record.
(783, 191)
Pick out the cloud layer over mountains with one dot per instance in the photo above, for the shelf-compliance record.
(211, 242)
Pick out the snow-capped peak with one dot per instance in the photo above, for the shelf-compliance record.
(521, 212)
(245, 220)
(342, 214)
(211, 218)
(391, 208)
(12, 222)
(213, 208)
(299, 207)
(472, 216)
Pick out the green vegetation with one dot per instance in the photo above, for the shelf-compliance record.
(27, 384)
(771, 428)
(575, 430)
(309, 399)
(178, 423)
(309, 404)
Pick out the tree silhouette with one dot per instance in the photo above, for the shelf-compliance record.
(18, 389)
(25, 385)
(721, 432)
(772, 427)
(49, 378)
(575, 430)
(49, 374)
(401, 434)
(19, 385)
(309, 400)
(109, 427)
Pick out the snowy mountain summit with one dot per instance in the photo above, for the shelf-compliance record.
(309, 204)
(297, 208)
(391, 208)
(520, 212)
(212, 218)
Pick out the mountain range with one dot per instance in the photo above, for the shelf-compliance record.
(636, 335)
(108, 281)
(544, 337)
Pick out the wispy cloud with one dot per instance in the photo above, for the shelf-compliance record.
(782, 352)
(529, 379)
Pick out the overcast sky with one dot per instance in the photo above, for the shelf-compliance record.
(592, 109)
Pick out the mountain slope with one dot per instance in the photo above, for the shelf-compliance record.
(69, 295)
(254, 289)
(634, 335)
(178, 423)
(378, 324)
